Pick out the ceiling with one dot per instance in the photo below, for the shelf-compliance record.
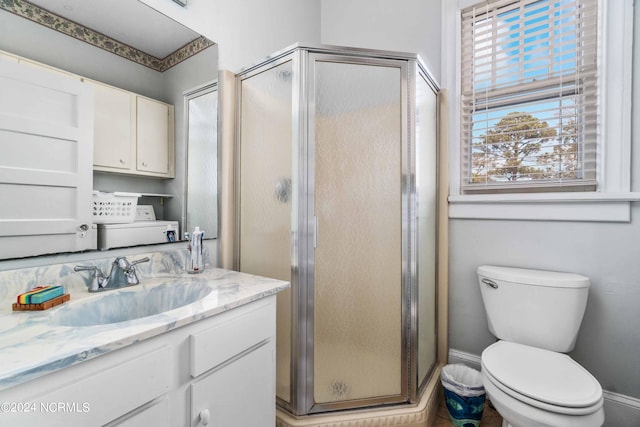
(128, 21)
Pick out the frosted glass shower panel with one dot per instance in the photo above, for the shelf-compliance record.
(266, 194)
(358, 204)
(426, 183)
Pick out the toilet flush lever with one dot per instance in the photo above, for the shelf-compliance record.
(490, 282)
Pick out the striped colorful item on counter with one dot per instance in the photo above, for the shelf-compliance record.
(40, 294)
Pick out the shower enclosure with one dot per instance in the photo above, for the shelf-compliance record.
(336, 193)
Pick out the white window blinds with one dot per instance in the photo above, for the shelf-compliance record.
(529, 95)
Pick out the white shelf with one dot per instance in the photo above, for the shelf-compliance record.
(166, 196)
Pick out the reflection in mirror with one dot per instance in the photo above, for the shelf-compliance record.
(86, 39)
(202, 150)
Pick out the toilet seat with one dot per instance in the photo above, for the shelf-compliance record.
(541, 378)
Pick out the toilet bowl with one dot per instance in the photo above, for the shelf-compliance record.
(528, 377)
(532, 387)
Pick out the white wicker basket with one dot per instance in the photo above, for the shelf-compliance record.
(114, 208)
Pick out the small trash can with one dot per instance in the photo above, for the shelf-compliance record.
(464, 394)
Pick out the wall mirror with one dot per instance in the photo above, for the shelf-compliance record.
(201, 208)
(129, 45)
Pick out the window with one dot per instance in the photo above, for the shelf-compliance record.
(520, 193)
(529, 96)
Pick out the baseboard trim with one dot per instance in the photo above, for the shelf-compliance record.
(620, 410)
(457, 356)
(621, 399)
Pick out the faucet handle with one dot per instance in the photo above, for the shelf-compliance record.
(97, 277)
(127, 265)
(96, 271)
(129, 269)
(138, 261)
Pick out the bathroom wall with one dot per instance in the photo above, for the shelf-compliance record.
(247, 31)
(407, 26)
(608, 253)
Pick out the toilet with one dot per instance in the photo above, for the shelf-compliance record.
(536, 316)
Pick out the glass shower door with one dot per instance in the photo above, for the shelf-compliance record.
(358, 144)
(266, 195)
(336, 194)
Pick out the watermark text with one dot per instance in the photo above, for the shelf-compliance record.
(45, 407)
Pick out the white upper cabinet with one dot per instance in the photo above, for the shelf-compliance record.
(9, 57)
(133, 134)
(154, 137)
(49, 68)
(46, 141)
(113, 129)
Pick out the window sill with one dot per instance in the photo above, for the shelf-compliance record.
(587, 206)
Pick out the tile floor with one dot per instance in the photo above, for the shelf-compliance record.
(490, 417)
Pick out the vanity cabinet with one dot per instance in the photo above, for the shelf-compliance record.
(132, 134)
(218, 371)
(234, 363)
(222, 397)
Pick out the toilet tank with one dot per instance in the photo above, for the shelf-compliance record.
(542, 309)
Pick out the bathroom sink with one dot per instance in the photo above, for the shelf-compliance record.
(129, 304)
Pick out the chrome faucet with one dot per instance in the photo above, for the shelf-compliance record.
(122, 273)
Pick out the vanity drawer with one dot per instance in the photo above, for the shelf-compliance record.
(95, 399)
(155, 414)
(238, 332)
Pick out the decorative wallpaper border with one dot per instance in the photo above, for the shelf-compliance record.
(63, 25)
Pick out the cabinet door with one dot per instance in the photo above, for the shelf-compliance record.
(153, 147)
(114, 130)
(48, 68)
(8, 56)
(239, 394)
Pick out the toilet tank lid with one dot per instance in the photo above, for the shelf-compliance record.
(534, 277)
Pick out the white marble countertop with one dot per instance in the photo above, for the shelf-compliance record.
(32, 344)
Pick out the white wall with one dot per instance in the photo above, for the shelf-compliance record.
(247, 31)
(411, 26)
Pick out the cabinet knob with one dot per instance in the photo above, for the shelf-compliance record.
(205, 417)
(121, 162)
(144, 164)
